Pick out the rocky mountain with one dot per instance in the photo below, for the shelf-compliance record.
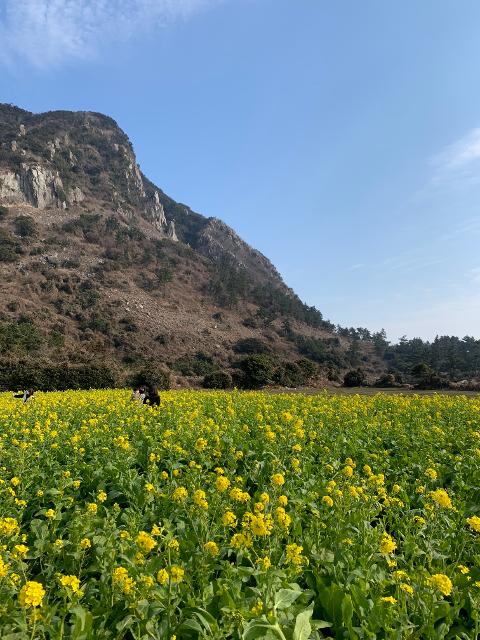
(98, 263)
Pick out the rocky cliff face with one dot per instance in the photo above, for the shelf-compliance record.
(61, 159)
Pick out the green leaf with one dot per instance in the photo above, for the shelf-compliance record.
(190, 625)
(285, 597)
(303, 628)
(347, 609)
(257, 629)
(83, 622)
(321, 624)
(440, 610)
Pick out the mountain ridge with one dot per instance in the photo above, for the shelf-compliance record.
(120, 269)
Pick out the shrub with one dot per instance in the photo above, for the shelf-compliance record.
(25, 226)
(8, 247)
(251, 346)
(354, 378)
(257, 371)
(289, 374)
(151, 373)
(46, 377)
(199, 364)
(23, 336)
(217, 380)
(386, 380)
(308, 367)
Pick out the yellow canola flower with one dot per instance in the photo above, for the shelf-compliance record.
(265, 563)
(229, 519)
(474, 523)
(179, 494)
(328, 501)
(387, 544)
(406, 588)
(199, 498)
(441, 498)
(20, 551)
(9, 527)
(123, 581)
(71, 582)
(145, 542)
(211, 548)
(31, 595)
(176, 574)
(3, 568)
(222, 483)
(162, 576)
(278, 479)
(441, 582)
(293, 553)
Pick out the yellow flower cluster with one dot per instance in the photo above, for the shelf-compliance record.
(31, 594)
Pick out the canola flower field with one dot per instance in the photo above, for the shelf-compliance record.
(239, 515)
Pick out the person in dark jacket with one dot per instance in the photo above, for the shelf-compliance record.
(152, 396)
(25, 395)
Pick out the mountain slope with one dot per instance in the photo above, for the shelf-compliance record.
(97, 262)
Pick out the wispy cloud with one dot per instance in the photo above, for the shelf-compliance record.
(48, 33)
(461, 153)
(458, 164)
(474, 275)
(355, 267)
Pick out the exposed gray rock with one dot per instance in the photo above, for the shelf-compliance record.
(51, 149)
(14, 145)
(75, 195)
(171, 231)
(32, 184)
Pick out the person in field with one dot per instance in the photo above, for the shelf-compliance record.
(152, 396)
(139, 395)
(25, 395)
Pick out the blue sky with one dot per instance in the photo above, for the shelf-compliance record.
(342, 139)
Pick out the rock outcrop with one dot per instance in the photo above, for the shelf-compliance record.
(34, 185)
(63, 159)
(171, 233)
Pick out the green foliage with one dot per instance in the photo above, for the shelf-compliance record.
(428, 378)
(56, 339)
(217, 380)
(295, 374)
(320, 351)
(452, 357)
(3, 212)
(251, 345)
(151, 373)
(9, 247)
(198, 364)
(47, 377)
(228, 283)
(354, 378)
(257, 371)
(385, 381)
(87, 224)
(21, 337)
(289, 374)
